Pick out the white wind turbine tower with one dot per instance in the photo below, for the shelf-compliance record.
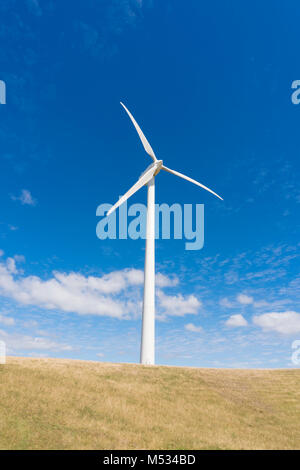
(148, 321)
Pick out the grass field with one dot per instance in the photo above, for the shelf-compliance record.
(62, 404)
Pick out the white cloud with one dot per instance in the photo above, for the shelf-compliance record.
(244, 299)
(236, 321)
(8, 321)
(164, 281)
(114, 294)
(193, 328)
(286, 323)
(25, 198)
(17, 342)
(134, 276)
(178, 305)
(66, 292)
(111, 283)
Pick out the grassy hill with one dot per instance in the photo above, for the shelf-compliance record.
(63, 404)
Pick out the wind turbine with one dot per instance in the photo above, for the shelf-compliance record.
(148, 319)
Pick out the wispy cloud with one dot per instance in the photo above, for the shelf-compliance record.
(98, 38)
(13, 228)
(25, 198)
(7, 321)
(18, 342)
(193, 328)
(34, 7)
(224, 302)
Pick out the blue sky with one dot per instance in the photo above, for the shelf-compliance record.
(210, 85)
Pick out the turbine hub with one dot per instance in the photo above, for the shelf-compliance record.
(159, 164)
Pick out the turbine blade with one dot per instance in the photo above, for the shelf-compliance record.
(190, 179)
(145, 142)
(141, 182)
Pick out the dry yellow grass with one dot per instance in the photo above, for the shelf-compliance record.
(62, 404)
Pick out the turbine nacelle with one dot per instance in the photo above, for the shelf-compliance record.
(159, 165)
(156, 166)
